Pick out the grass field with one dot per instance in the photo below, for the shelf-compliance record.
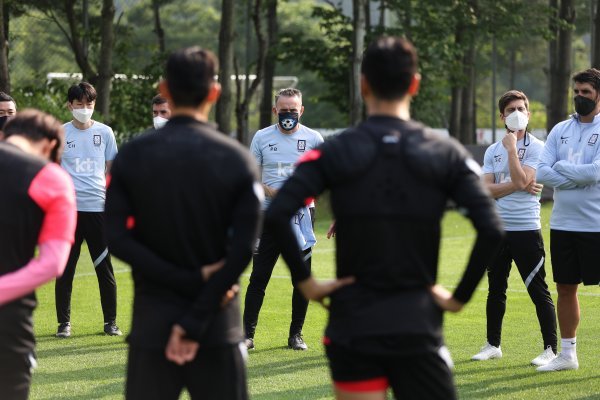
(90, 365)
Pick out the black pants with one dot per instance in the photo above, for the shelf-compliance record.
(526, 248)
(217, 373)
(263, 263)
(15, 375)
(90, 226)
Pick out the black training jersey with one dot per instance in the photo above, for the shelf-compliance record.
(178, 200)
(390, 181)
(36, 206)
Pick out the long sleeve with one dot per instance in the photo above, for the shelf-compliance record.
(49, 264)
(307, 182)
(470, 195)
(546, 174)
(244, 230)
(52, 190)
(581, 174)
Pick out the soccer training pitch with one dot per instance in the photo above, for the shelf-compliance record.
(90, 365)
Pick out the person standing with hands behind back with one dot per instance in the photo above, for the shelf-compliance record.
(389, 176)
(509, 174)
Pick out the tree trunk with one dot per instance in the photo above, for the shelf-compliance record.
(105, 72)
(382, 14)
(242, 107)
(512, 62)
(226, 36)
(467, 115)
(560, 63)
(74, 38)
(358, 44)
(270, 63)
(4, 74)
(160, 33)
(457, 88)
(595, 34)
(455, 112)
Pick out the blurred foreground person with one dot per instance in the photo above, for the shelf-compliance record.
(37, 208)
(391, 177)
(183, 207)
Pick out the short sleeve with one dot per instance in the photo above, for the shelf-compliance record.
(52, 190)
(255, 150)
(488, 165)
(111, 146)
(532, 156)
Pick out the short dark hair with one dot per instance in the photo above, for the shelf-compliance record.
(6, 97)
(81, 91)
(389, 64)
(36, 125)
(510, 96)
(591, 76)
(189, 73)
(158, 99)
(288, 92)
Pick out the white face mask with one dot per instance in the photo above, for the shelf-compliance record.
(516, 121)
(83, 115)
(159, 122)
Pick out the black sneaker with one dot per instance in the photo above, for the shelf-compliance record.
(111, 329)
(296, 342)
(249, 342)
(64, 330)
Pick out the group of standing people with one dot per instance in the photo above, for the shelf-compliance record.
(183, 208)
(515, 169)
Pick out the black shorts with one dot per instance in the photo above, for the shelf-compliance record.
(412, 376)
(575, 257)
(215, 373)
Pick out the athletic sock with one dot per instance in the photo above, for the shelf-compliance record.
(568, 348)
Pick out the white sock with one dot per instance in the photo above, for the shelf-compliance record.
(568, 348)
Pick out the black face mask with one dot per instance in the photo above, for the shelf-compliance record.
(583, 105)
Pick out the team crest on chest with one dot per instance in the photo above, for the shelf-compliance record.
(497, 158)
(593, 139)
(301, 145)
(521, 154)
(97, 140)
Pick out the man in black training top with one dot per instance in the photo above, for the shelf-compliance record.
(391, 177)
(178, 201)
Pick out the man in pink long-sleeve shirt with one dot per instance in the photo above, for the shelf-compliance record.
(37, 209)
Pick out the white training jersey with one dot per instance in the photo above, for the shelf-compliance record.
(570, 163)
(276, 153)
(520, 211)
(85, 155)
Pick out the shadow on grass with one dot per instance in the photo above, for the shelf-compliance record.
(483, 387)
(258, 369)
(306, 393)
(95, 392)
(98, 381)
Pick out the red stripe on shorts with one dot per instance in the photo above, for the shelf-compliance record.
(370, 385)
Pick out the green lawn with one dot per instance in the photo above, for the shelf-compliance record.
(90, 365)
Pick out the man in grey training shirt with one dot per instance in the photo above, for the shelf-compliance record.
(277, 149)
(90, 147)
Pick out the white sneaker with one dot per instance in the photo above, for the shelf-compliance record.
(546, 357)
(559, 363)
(488, 352)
